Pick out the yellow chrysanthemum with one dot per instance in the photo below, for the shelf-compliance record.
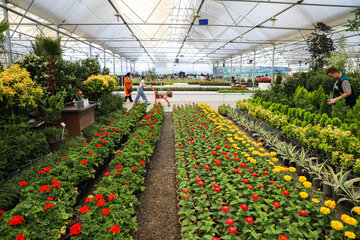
(336, 225)
(273, 153)
(287, 178)
(271, 163)
(253, 161)
(249, 141)
(261, 149)
(302, 179)
(275, 160)
(348, 220)
(266, 154)
(325, 210)
(276, 170)
(292, 169)
(255, 153)
(307, 184)
(303, 194)
(330, 204)
(350, 235)
(315, 200)
(251, 149)
(357, 210)
(243, 142)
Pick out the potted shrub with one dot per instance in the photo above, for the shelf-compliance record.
(54, 137)
(169, 93)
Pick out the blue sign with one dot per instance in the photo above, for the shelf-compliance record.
(247, 71)
(203, 21)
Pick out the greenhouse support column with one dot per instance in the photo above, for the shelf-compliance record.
(8, 42)
(240, 68)
(114, 64)
(134, 67)
(273, 62)
(224, 70)
(253, 75)
(121, 64)
(126, 68)
(57, 32)
(231, 69)
(90, 50)
(104, 59)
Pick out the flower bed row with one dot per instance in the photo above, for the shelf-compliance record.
(109, 213)
(47, 202)
(184, 89)
(343, 146)
(231, 189)
(209, 83)
(154, 83)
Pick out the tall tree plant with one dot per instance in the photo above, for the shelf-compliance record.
(320, 46)
(4, 26)
(50, 49)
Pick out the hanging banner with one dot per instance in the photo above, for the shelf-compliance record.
(247, 71)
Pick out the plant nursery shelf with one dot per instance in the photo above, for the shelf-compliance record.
(77, 119)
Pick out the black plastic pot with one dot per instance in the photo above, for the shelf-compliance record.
(299, 169)
(316, 183)
(327, 189)
(55, 145)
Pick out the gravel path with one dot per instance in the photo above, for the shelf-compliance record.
(157, 214)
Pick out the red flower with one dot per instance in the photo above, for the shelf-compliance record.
(44, 188)
(63, 157)
(244, 207)
(84, 143)
(249, 169)
(98, 197)
(20, 237)
(80, 92)
(119, 166)
(105, 211)
(206, 167)
(243, 165)
(249, 220)
(185, 196)
(84, 161)
(265, 172)
(201, 183)
(75, 229)
(285, 192)
(254, 174)
(101, 130)
(232, 230)
(278, 186)
(49, 199)
(283, 237)
(215, 239)
(276, 204)
(22, 183)
(98, 145)
(127, 182)
(104, 141)
(111, 197)
(198, 179)
(56, 185)
(272, 182)
(106, 174)
(229, 221)
(115, 229)
(118, 153)
(89, 199)
(227, 157)
(41, 172)
(303, 213)
(1, 211)
(217, 162)
(225, 208)
(215, 185)
(142, 143)
(186, 191)
(47, 169)
(142, 162)
(237, 159)
(250, 187)
(236, 170)
(245, 180)
(217, 190)
(91, 154)
(195, 166)
(255, 196)
(261, 186)
(214, 153)
(84, 209)
(16, 220)
(135, 168)
(54, 180)
(47, 206)
(235, 153)
(101, 202)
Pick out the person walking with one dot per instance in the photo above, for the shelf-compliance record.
(128, 87)
(140, 91)
(342, 88)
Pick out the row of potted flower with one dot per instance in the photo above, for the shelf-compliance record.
(213, 89)
(342, 146)
(47, 202)
(230, 188)
(109, 212)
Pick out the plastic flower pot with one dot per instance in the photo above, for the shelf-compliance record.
(316, 182)
(299, 169)
(55, 145)
(327, 189)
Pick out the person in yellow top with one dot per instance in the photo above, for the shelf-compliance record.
(127, 86)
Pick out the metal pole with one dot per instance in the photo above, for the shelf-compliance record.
(104, 59)
(253, 76)
(231, 69)
(9, 51)
(90, 50)
(121, 64)
(240, 68)
(126, 66)
(114, 64)
(273, 62)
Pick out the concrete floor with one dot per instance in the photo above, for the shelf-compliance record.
(214, 99)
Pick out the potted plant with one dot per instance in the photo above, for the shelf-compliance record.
(54, 137)
(169, 93)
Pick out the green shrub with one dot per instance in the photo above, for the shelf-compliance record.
(109, 103)
(323, 120)
(223, 109)
(51, 106)
(96, 86)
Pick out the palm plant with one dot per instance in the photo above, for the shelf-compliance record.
(50, 50)
(4, 25)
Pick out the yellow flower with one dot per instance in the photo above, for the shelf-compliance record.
(357, 210)
(336, 225)
(255, 152)
(266, 154)
(307, 184)
(248, 141)
(302, 179)
(303, 194)
(350, 235)
(276, 170)
(325, 210)
(243, 142)
(287, 178)
(292, 169)
(330, 204)
(253, 161)
(251, 149)
(275, 160)
(247, 144)
(348, 220)
(273, 153)
(271, 163)
(315, 200)
(261, 149)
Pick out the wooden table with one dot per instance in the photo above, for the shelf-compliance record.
(77, 119)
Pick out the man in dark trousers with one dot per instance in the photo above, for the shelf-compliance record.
(342, 88)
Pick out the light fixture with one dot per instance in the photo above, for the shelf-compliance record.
(273, 19)
(240, 37)
(197, 16)
(117, 15)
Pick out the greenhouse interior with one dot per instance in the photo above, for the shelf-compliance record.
(180, 119)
